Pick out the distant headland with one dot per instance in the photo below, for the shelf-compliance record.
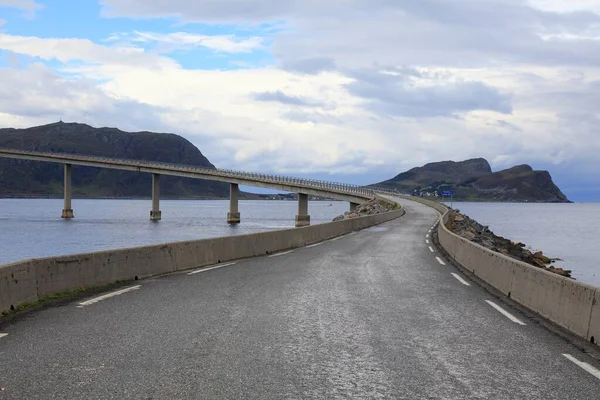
(473, 180)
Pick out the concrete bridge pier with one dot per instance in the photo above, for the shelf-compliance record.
(233, 216)
(155, 214)
(302, 219)
(67, 211)
(353, 206)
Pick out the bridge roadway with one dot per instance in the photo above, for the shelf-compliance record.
(371, 315)
(346, 192)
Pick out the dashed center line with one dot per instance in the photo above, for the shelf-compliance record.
(107, 296)
(505, 313)
(314, 245)
(281, 254)
(460, 279)
(3, 335)
(427, 235)
(431, 249)
(210, 268)
(426, 241)
(440, 261)
(587, 367)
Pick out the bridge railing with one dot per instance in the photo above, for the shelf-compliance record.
(333, 187)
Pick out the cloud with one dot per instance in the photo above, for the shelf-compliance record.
(36, 93)
(68, 50)
(280, 97)
(411, 93)
(182, 40)
(29, 6)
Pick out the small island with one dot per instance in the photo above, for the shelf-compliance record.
(473, 180)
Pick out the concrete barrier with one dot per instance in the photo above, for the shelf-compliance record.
(594, 331)
(568, 303)
(31, 280)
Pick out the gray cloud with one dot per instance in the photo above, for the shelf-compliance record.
(280, 97)
(425, 32)
(399, 95)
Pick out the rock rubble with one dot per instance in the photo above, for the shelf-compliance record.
(371, 207)
(471, 230)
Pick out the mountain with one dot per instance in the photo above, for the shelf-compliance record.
(35, 179)
(474, 180)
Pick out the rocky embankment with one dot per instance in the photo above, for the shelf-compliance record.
(477, 233)
(371, 207)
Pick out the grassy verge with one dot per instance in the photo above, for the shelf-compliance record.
(57, 299)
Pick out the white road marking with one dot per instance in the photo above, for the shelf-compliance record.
(281, 254)
(461, 280)
(353, 233)
(426, 241)
(583, 365)
(505, 313)
(108, 295)
(314, 245)
(440, 261)
(337, 238)
(431, 249)
(208, 269)
(3, 334)
(427, 235)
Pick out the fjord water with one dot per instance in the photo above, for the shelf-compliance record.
(570, 232)
(31, 228)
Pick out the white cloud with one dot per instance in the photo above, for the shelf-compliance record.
(184, 40)
(68, 50)
(29, 6)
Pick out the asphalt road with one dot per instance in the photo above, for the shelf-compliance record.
(371, 315)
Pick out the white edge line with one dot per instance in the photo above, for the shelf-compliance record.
(440, 261)
(314, 245)
(505, 313)
(583, 365)
(3, 335)
(460, 279)
(209, 268)
(281, 254)
(431, 249)
(108, 295)
(350, 234)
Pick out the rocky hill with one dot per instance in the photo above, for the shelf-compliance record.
(473, 180)
(38, 179)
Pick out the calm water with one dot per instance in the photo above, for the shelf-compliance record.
(33, 227)
(567, 231)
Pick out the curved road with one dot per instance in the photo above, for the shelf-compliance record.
(371, 315)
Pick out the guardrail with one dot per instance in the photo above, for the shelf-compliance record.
(333, 187)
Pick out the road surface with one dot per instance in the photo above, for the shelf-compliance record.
(370, 315)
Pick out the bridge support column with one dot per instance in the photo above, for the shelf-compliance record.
(353, 206)
(302, 219)
(155, 214)
(233, 216)
(67, 211)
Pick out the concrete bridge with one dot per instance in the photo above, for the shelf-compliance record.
(304, 187)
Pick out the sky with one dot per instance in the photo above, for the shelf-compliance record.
(354, 91)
